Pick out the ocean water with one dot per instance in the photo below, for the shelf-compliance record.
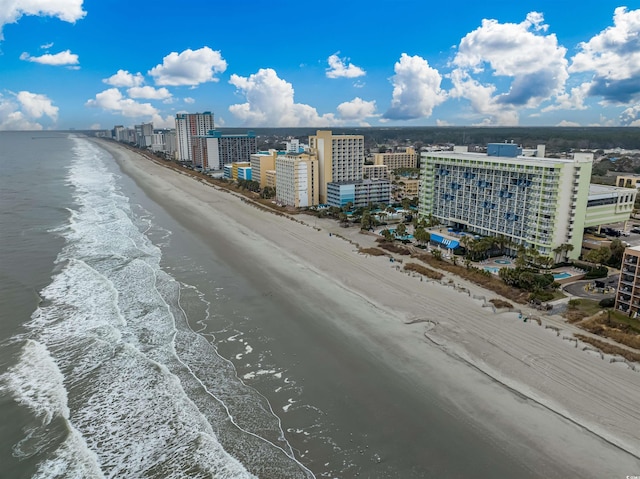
(102, 375)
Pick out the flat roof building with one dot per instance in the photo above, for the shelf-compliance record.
(359, 193)
(340, 158)
(401, 159)
(188, 126)
(609, 204)
(534, 201)
(214, 150)
(297, 180)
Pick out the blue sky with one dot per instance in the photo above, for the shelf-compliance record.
(94, 64)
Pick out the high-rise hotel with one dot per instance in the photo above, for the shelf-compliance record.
(340, 158)
(189, 125)
(534, 201)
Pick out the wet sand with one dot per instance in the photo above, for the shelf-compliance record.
(459, 384)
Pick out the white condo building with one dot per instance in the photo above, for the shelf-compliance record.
(532, 200)
(189, 125)
(297, 180)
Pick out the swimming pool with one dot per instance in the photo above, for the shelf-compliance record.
(492, 269)
(563, 275)
(503, 261)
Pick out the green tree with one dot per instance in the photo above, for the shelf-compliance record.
(421, 235)
(401, 230)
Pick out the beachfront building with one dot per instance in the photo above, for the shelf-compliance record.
(244, 173)
(144, 135)
(375, 172)
(261, 162)
(533, 201)
(214, 150)
(270, 178)
(400, 159)
(164, 141)
(360, 194)
(231, 171)
(340, 158)
(609, 204)
(628, 292)
(297, 180)
(188, 126)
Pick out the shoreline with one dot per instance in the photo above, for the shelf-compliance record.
(523, 358)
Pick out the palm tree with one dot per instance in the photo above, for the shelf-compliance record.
(401, 230)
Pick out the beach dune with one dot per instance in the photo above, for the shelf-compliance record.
(560, 410)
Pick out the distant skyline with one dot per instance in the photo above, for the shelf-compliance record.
(94, 64)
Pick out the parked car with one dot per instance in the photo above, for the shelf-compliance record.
(635, 230)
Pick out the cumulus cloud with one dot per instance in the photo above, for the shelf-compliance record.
(124, 79)
(483, 100)
(574, 100)
(416, 89)
(20, 111)
(523, 52)
(113, 100)
(56, 59)
(149, 93)
(191, 67)
(614, 56)
(357, 109)
(66, 10)
(631, 116)
(270, 102)
(36, 105)
(188, 100)
(341, 68)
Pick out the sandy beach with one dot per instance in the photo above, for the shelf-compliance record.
(560, 410)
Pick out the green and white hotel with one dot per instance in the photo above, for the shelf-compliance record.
(532, 200)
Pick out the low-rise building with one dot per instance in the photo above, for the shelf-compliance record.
(401, 159)
(628, 181)
(359, 193)
(375, 172)
(609, 204)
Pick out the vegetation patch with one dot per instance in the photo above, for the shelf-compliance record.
(423, 270)
(394, 248)
(579, 309)
(372, 251)
(500, 303)
(607, 348)
(477, 276)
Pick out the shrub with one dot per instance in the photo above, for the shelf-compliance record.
(607, 302)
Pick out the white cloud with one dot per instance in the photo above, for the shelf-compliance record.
(159, 121)
(36, 105)
(614, 56)
(270, 102)
(191, 67)
(57, 59)
(46, 46)
(567, 123)
(66, 10)
(482, 99)
(357, 109)
(18, 113)
(416, 89)
(442, 123)
(631, 116)
(112, 100)
(519, 51)
(188, 100)
(148, 92)
(341, 68)
(574, 100)
(124, 79)
(95, 126)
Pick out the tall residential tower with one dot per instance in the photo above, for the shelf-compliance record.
(189, 125)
